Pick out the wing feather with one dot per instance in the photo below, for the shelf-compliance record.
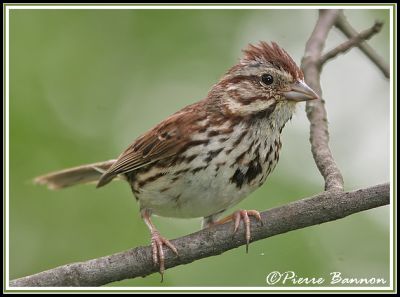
(163, 141)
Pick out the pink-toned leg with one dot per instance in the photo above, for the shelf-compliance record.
(157, 242)
(242, 215)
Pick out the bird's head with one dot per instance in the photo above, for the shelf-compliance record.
(265, 77)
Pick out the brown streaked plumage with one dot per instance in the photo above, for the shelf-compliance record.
(210, 155)
(165, 140)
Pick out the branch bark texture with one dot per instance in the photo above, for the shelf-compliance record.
(324, 207)
(316, 112)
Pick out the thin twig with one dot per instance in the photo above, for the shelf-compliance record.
(354, 41)
(343, 25)
(321, 208)
(316, 113)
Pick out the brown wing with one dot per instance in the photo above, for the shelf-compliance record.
(163, 141)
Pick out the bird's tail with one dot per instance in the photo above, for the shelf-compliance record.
(73, 176)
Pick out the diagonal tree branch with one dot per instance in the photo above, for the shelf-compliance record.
(316, 113)
(321, 208)
(343, 25)
(354, 41)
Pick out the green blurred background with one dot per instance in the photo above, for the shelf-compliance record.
(85, 83)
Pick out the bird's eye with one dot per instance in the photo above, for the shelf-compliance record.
(267, 79)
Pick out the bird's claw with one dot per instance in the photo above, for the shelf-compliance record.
(243, 215)
(157, 242)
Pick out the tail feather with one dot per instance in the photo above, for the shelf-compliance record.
(73, 176)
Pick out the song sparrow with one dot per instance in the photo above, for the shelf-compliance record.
(210, 155)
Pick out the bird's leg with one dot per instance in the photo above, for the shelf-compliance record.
(157, 242)
(211, 220)
(237, 216)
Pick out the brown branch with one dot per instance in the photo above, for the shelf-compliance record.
(343, 25)
(321, 208)
(316, 113)
(354, 41)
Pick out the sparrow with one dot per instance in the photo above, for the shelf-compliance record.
(210, 155)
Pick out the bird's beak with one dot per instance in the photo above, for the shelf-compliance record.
(300, 91)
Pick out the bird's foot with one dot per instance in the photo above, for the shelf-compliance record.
(157, 242)
(242, 215)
